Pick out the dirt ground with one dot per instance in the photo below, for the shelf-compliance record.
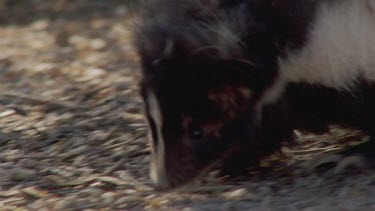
(72, 134)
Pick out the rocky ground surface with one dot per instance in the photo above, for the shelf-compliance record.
(72, 134)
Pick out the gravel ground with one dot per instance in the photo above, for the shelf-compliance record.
(72, 134)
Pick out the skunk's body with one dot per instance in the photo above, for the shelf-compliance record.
(221, 78)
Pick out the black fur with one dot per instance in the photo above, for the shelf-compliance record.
(184, 60)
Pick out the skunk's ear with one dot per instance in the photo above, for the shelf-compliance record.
(230, 99)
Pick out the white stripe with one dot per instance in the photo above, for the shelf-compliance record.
(340, 47)
(157, 167)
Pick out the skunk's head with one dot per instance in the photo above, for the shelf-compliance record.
(202, 81)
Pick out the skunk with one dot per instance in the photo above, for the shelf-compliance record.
(228, 81)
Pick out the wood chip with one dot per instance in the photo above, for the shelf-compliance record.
(35, 192)
(7, 113)
(113, 180)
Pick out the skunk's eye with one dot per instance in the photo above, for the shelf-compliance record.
(196, 132)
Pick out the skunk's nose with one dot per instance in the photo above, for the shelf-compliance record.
(162, 185)
(160, 182)
(159, 178)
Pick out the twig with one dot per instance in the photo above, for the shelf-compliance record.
(41, 101)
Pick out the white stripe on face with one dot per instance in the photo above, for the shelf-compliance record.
(158, 172)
